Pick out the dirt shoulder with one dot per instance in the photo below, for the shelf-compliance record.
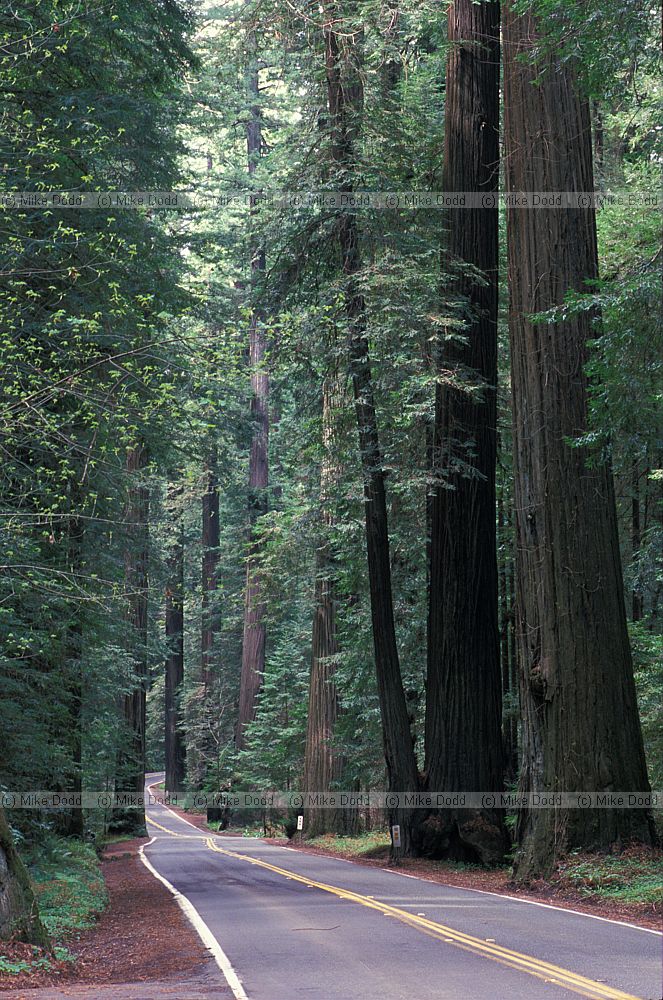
(141, 937)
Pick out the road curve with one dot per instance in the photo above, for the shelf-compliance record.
(295, 925)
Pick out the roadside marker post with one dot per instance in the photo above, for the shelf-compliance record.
(396, 835)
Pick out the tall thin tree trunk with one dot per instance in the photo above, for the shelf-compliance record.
(72, 822)
(636, 538)
(581, 730)
(174, 673)
(322, 763)
(463, 688)
(210, 558)
(131, 764)
(253, 642)
(345, 102)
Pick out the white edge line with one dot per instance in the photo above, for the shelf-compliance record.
(517, 899)
(201, 928)
(432, 881)
(484, 892)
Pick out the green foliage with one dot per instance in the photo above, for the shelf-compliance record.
(362, 845)
(629, 878)
(648, 663)
(68, 884)
(130, 327)
(91, 365)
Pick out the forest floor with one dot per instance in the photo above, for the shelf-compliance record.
(624, 887)
(140, 938)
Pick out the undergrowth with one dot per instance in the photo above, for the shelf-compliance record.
(363, 843)
(632, 877)
(70, 892)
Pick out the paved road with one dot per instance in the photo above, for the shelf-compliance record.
(298, 925)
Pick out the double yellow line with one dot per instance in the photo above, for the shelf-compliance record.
(182, 836)
(545, 971)
(524, 963)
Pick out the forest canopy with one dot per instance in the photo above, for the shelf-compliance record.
(325, 464)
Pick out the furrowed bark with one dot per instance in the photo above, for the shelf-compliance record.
(19, 913)
(509, 688)
(463, 689)
(581, 730)
(322, 764)
(210, 544)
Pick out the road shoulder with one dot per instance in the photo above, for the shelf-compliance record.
(142, 937)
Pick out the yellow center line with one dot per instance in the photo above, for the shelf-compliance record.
(183, 836)
(525, 963)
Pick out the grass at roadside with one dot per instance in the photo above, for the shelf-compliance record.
(632, 877)
(70, 892)
(363, 844)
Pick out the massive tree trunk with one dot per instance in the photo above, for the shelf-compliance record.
(322, 764)
(210, 545)
(174, 745)
(463, 696)
(509, 671)
(345, 102)
(131, 763)
(581, 730)
(19, 914)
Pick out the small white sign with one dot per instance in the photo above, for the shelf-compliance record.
(396, 836)
(300, 822)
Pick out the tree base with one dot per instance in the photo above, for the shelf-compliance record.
(470, 835)
(549, 835)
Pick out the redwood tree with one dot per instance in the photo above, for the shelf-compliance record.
(131, 762)
(581, 730)
(253, 642)
(19, 913)
(345, 104)
(321, 761)
(463, 689)
(210, 558)
(174, 625)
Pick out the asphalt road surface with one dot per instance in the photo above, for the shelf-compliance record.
(284, 924)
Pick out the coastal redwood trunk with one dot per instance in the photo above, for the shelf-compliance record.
(19, 913)
(463, 687)
(509, 677)
(637, 608)
(253, 641)
(210, 545)
(131, 763)
(345, 103)
(174, 673)
(322, 765)
(581, 730)
(71, 823)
